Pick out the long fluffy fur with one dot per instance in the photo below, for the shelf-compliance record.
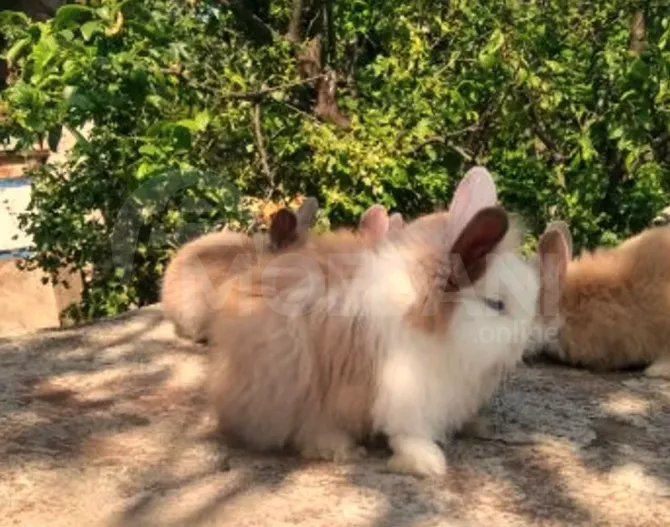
(325, 344)
(613, 309)
(187, 289)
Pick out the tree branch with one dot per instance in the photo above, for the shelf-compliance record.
(478, 138)
(260, 145)
(638, 32)
(330, 32)
(556, 155)
(263, 92)
(445, 139)
(293, 33)
(326, 107)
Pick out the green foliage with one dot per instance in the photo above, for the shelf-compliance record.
(547, 95)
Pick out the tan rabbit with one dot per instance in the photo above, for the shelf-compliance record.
(205, 263)
(321, 346)
(608, 309)
(202, 264)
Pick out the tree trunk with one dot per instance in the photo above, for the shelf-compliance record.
(638, 32)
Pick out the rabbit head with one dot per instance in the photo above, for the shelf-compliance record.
(471, 283)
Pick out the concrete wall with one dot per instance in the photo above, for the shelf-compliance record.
(26, 304)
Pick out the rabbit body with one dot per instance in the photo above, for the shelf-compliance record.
(350, 339)
(203, 264)
(613, 307)
(187, 289)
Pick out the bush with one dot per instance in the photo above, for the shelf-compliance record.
(197, 107)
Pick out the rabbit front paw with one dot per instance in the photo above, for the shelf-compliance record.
(417, 456)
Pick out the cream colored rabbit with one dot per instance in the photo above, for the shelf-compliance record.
(321, 346)
(608, 309)
(202, 264)
(205, 263)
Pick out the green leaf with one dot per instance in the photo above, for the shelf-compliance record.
(14, 18)
(487, 57)
(44, 52)
(69, 91)
(182, 136)
(617, 132)
(149, 149)
(71, 13)
(155, 100)
(202, 119)
(197, 124)
(90, 28)
(554, 66)
(16, 50)
(67, 35)
(79, 101)
(146, 169)
(587, 149)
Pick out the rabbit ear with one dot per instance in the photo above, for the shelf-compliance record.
(475, 192)
(475, 225)
(306, 214)
(283, 227)
(555, 252)
(476, 240)
(374, 222)
(396, 221)
(563, 228)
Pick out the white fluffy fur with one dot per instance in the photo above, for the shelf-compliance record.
(363, 356)
(429, 385)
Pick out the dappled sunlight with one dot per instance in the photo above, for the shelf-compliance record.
(132, 435)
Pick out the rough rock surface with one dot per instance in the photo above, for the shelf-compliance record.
(103, 425)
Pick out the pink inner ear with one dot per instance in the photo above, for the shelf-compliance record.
(479, 237)
(283, 227)
(396, 221)
(374, 222)
(564, 230)
(554, 257)
(475, 192)
(554, 253)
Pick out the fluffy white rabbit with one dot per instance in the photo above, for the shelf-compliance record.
(328, 343)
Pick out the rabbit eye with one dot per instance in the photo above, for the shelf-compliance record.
(497, 305)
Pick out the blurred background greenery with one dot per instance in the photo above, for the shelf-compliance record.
(355, 102)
